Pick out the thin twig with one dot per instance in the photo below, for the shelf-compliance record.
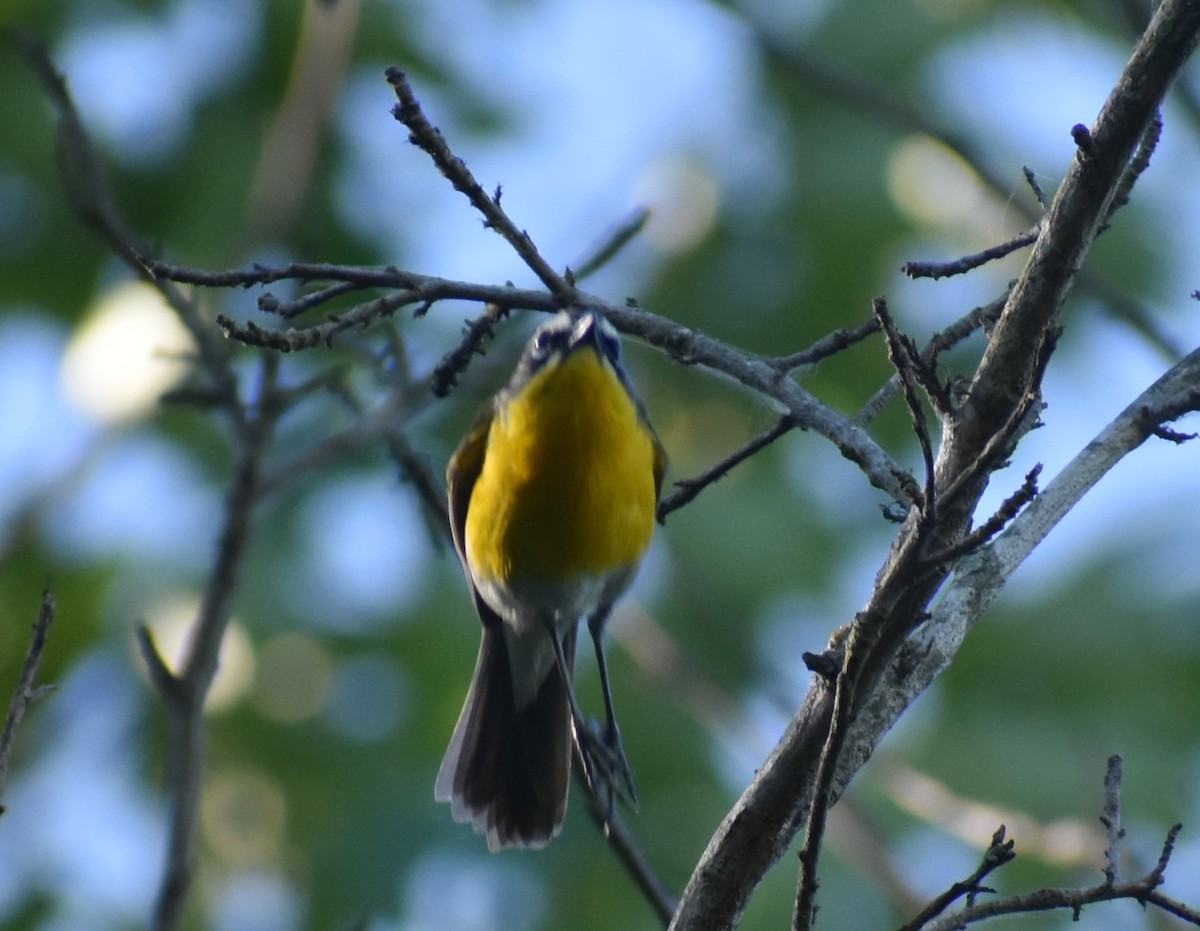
(1008, 510)
(687, 489)
(761, 375)
(268, 303)
(629, 852)
(183, 694)
(860, 643)
(998, 853)
(293, 340)
(26, 691)
(1022, 418)
(1035, 187)
(363, 276)
(1137, 165)
(906, 361)
(610, 245)
(428, 138)
(827, 346)
(445, 374)
(967, 263)
(1143, 890)
(945, 339)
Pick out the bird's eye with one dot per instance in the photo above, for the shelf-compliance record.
(541, 343)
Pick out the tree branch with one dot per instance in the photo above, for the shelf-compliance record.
(760, 826)
(935, 270)
(766, 376)
(1071, 225)
(979, 577)
(998, 853)
(686, 490)
(27, 691)
(1143, 890)
(427, 137)
(183, 694)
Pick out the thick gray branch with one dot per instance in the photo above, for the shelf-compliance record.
(762, 823)
(980, 577)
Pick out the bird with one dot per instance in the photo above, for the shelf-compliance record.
(552, 496)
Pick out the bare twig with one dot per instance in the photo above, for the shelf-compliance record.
(823, 795)
(27, 690)
(1035, 187)
(979, 318)
(268, 303)
(630, 854)
(362, 276)
(427, 137)
(763, 376)
(998, 853)
(827, 346)
(907, 362)
(452, 364)
(291, 340)
(761, 825)
(687, 489)
(610, 245)
(183, 693)
(1022, 418)
(1137, 165)
(1143, 890)
(959, 266)
(1009, 509)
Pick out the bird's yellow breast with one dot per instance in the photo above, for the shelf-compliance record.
(568, 482)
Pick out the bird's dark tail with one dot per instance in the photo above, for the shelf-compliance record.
(507, 771)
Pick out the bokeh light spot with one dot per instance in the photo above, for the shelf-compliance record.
(683, 198)
(242, 817)
(367, 698)
(293, 679)
(125, 355)
(171, 622)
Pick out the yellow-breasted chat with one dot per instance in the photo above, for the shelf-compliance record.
(552, 495)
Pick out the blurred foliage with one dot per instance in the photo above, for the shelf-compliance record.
(1048, 686)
